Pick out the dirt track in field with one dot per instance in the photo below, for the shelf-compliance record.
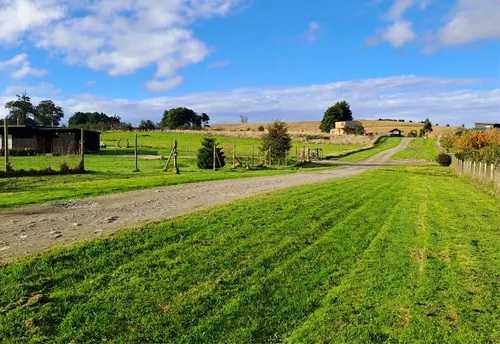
(28, 230)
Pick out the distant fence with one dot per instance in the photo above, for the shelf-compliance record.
(481, 171)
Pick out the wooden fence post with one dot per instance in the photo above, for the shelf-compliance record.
(136, 153)
(82, 149)
(176, 165)
(234, 156)
(253, 156)
(213, 158)
(6, 145)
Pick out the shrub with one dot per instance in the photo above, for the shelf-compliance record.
(277, 140)
(64, 168)
(261, 128)
(205, 157)
(444, 159)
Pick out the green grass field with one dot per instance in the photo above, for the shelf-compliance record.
(190, 142)
(112, 170)
(393, 255)
(385, 143)
(419, 149)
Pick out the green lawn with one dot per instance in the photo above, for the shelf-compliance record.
(419, 149)
(109, 174)
(385, 143)
(112, 169)
(189, 143)
(393, 255)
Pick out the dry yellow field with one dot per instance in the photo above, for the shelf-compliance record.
(312, 127)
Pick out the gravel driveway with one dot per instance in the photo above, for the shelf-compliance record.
(28, 230)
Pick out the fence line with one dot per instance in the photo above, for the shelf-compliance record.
(480, 171)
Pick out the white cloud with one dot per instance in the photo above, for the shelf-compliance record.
(164, 84)
(399, 33)
(119, 37)
(472, 20)
(399, 8)
(312, 32)
(19, 67)
(411, 97)
(18, 16)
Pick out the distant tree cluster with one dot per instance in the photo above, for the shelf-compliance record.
(147, 125)
(23, 112)
(339, 112)
(184, 118)
(97, 121)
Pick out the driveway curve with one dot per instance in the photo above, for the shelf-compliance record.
(28, 230)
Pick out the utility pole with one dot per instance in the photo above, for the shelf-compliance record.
(6, 145)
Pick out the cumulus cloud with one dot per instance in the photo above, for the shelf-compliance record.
(19, 67)
(18, 16)
(472, 20)
(119, 37)
(163, 85)
(400, 31)
(411, 97)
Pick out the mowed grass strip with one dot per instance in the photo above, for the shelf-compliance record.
(383, 144)
(430, 277)
(419, 149)
(378, 257)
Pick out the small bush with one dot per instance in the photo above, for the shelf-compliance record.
(444, 159)
(64, 168)
(261, 128)
(205, 158)
(276, 142)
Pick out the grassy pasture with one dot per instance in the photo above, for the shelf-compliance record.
(419, 149)
(393, 255)
(112, 169)
(190, 142)
(385, 143)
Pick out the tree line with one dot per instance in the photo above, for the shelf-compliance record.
(46, 113)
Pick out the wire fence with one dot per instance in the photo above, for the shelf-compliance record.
(485, 173)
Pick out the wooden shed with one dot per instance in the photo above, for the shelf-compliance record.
(49, 140)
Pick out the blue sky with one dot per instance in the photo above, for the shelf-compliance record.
(264, 59)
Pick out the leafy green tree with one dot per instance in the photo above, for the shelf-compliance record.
(205, 157)
(277, 140)
(147, 125)
(339, 112)
(205, 119)
(48, 114)
(21, 109)
(183, 118)
(427, 126)
(95, 121)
